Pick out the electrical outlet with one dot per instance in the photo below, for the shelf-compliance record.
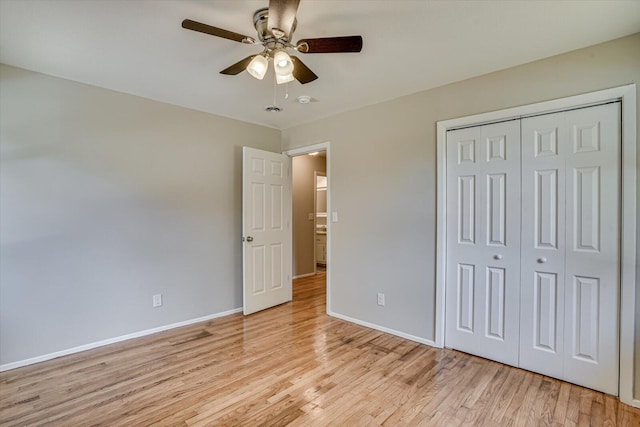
(380, 299)
(157, 300)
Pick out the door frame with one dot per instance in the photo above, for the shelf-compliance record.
(323, 146)
(627, 95)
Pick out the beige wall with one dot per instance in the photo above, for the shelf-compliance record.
(383, 178)
(303, 195)
(107, 199)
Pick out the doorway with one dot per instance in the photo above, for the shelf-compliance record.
(311, 206)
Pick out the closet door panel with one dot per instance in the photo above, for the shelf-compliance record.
(570, 246)
(592, 253)
(543, 245)
(483, 241)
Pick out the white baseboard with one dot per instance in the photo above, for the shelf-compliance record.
(633, 402)
(300, 276)
(38, 359)
(383, 329)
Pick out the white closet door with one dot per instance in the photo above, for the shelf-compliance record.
(483, 241)
(570, 246)
(593, 248)
(543, 244)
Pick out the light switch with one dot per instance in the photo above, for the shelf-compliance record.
(334, 216)
(311, 217)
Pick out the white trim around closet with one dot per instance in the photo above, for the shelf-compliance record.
(627, 95)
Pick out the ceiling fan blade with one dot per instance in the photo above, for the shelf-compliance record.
(238, 67)
(282, 15)
(215, 31)
(301, 72)
(331, 45)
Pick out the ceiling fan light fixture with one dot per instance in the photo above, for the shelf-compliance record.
(258, 67)
(274, 26)
(282, 63)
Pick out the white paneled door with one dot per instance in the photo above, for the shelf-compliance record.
(266, 229)
(483, 241)
(543, 245)
(571, 246)
(533, 241)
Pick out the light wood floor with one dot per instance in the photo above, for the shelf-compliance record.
(291, 365)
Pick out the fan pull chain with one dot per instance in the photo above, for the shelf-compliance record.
(275, 91)
(286, 94)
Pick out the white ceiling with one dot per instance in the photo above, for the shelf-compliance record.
(139, 47)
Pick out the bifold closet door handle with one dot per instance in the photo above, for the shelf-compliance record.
(497, 256)
(542, 260)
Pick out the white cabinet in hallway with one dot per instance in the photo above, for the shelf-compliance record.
(321, 249)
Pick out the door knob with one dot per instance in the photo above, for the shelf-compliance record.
(542, 260)
(249, 239)
(498, 256)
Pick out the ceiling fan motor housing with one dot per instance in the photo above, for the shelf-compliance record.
(260, 22)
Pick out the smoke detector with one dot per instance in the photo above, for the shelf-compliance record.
(304, 99)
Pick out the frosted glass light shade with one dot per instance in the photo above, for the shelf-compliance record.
(258, 67)
(282, 63)
(284, 79)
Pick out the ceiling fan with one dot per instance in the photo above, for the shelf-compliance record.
(275, 26)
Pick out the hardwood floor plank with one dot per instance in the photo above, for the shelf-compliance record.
(291, 365)
(597, 411)
(572, 414)
(610, 411)
(562, 404)
(447, 386)
(499, 407)
(518, 399)
(545, 401)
